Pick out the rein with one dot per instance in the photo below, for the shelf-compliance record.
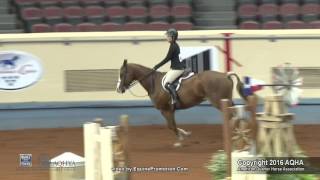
(137, 81)
(141, 79)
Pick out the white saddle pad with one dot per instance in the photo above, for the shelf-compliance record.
(190, 74)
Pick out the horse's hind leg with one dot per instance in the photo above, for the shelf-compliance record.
(215, 101)
(180, 133)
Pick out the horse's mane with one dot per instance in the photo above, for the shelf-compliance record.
(146, 68)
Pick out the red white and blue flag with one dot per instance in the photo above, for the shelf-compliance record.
(251, 85)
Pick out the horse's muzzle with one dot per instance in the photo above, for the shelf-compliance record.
(120, 90)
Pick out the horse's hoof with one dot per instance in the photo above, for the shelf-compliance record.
(177, 144)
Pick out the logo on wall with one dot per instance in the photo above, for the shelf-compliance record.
(18, 70)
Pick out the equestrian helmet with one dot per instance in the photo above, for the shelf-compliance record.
(172, 33)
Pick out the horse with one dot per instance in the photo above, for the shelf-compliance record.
(208, 85)
(9, 63)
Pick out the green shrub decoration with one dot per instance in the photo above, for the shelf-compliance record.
(217, 165)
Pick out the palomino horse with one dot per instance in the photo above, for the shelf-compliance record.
(208, 85)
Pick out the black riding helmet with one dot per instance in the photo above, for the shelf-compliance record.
(172, 33)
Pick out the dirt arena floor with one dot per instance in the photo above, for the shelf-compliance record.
(148, 146)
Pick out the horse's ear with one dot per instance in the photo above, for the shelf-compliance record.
(125, 62)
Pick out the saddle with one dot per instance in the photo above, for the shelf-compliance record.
(177, 83)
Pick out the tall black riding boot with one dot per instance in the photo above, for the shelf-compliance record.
(173, 93)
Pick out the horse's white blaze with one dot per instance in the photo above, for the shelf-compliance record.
(118, 85)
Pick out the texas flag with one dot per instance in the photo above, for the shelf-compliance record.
(251, 85)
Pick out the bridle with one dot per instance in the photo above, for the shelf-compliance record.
(135, 82)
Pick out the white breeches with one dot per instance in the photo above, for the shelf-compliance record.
(172, 75)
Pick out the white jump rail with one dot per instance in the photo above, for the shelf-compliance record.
(99, 150)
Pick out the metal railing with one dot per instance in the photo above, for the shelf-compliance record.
(136, 40)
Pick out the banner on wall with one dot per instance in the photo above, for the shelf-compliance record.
(200, 58)
(18, 70)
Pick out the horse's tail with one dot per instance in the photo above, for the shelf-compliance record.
(239, 84)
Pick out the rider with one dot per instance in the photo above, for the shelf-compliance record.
(177, 67)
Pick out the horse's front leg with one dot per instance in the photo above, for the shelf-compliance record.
(180, 133)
